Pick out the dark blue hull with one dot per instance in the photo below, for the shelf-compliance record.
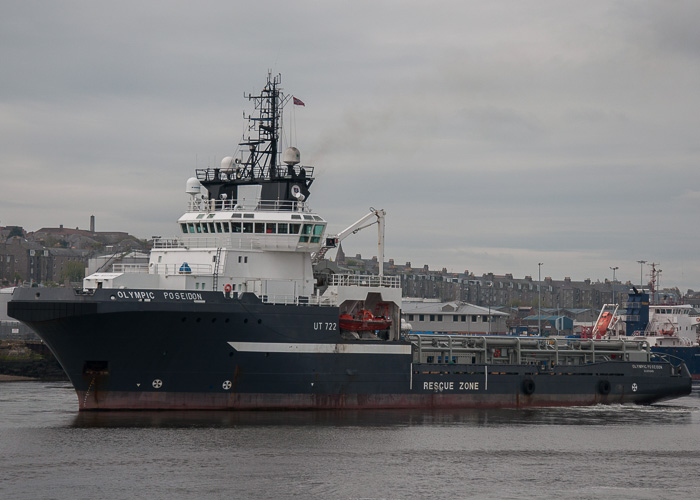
(689, 355)
(130, 349)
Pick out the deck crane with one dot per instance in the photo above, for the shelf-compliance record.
(364, 222)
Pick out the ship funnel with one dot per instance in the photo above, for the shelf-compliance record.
(291, 156)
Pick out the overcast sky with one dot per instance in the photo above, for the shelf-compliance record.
(496, 135)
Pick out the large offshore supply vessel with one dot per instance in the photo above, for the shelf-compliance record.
(230, 315)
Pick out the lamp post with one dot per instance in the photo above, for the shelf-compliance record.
(539, 298)
(613, 282)
(641, 272)
(490, 285)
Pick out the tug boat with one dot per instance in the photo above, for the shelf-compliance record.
(230, 316)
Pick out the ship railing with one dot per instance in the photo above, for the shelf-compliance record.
(130, 268)
(254, 172)
(494, 350)
(165, 269)
(168, 243)
(184, 268)
(296, 300)
(200, 205)
(231, 242)
(365, 280)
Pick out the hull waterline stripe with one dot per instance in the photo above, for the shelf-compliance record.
(320, 348)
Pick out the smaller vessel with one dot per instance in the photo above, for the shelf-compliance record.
(669, 329)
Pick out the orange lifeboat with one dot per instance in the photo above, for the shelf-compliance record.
(364, 321)
(603, 323)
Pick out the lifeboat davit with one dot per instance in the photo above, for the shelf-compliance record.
(603, 323)
(364, 321)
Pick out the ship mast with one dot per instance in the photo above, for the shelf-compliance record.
(263, 160)
(260, 158)
(652, 282)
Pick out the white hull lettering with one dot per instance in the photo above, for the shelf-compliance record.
(319, 325)
(182, 296)
(450, 386)
(128, 294)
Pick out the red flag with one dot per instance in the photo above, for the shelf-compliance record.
(298, 102)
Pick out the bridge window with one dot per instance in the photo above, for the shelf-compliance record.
(190, 227)
(259, 227)
(211, 227)
(318, 231)
(247, 227)
(226, 227)
(218, 227)
(282, 228)
(205, 227)
(235, 227)
(271, 228)
(296, 217)
(198, 227)
(184, 227)
(294, 228)
(306, 233)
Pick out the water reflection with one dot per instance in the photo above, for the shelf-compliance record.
(592, 416)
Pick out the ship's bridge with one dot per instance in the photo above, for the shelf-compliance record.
(301, 231)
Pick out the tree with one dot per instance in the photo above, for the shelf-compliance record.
(16, 231)
(73, 271)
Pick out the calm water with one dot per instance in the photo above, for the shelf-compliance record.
(49, 451)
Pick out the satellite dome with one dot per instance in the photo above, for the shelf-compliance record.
(193, 186)
(227, 163)
(291, 156)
